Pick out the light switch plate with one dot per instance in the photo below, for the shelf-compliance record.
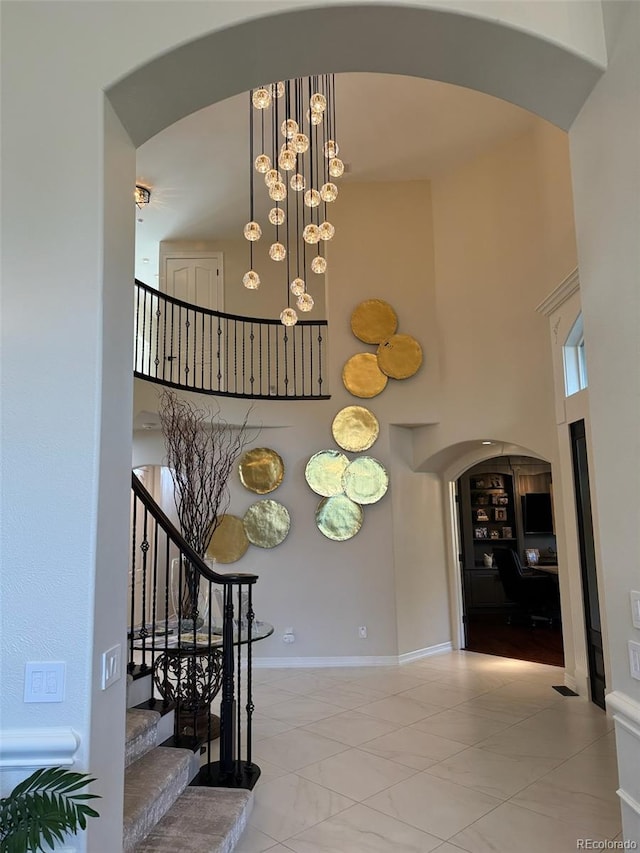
(44, 681)
(634, 659)
(111, 666)
(635, 607)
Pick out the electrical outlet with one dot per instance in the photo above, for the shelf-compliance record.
(111, 668)
(634, 659)
(288, 636)
(362, 632)
(44, 682)
(635, 608)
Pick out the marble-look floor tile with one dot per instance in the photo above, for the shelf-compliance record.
(254, 841)
(301, 711)
(447, 847)
(295, 749)
(268, 770)
(270, 694)
(497, 775)
(305, 684)
(397, 709)
(389, 683)
(461, 726)
(582, 788)
(352, 727)
(289, 805)
(513, 829)
(444, 695)
(345, 696)
(413, 747)
(362, 830)
(433, 805)
(356, 774)
(503, 708)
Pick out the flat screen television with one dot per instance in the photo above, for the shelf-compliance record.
(536, 512)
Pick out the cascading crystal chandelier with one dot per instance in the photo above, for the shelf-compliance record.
(294, 163)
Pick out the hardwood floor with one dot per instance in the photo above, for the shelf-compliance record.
(492, 635)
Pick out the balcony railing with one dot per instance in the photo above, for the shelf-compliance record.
(189, 347)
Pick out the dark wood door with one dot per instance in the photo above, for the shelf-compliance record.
(588, 562)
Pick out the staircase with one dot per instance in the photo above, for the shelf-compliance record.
(162, 811)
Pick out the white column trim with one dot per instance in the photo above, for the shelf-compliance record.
(626, 711)
(23, 749)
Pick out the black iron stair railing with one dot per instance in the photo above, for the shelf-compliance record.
(191, 653)
(185, 346)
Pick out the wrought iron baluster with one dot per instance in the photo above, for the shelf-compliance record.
(132, 618)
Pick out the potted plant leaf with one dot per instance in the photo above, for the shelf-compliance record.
(42, 808)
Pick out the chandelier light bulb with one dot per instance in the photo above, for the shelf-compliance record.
(271, 177)
(311, 233)
(314, 118)
(326, 230)
(276, 216)
(312, 198)
(278, 191)
(288, 317)
(251, 280)
(305, 302)
(336, 167)
(328, 192)
(300, 143)
(277, 252)
(287, 160)
(289, 128)
(297, 182)
(319, 265)
(297, 286)
(331, 149)
(318, 103)
(261, 98)
(252, 231)
(262, 163)
(277, 89)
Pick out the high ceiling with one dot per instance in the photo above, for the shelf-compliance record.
(390, 128)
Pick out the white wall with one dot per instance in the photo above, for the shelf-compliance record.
(606, 184)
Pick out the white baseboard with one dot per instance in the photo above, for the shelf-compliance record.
(354, 660)
(24, 749)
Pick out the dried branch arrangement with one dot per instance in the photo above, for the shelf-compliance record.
(201, 451)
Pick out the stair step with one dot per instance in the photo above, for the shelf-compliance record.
(202, 820)
(142, 734)
(151, 786)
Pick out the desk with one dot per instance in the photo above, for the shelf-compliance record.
(550, 570)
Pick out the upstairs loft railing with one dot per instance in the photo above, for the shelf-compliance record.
(193, 654)
(189, 347)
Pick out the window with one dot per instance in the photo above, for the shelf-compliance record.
(575, 365)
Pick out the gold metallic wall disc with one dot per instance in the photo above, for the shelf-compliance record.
(229, 542)
(339, 518)
(324, 472)
(266, 523)
(355, 428)
(365, 480)
(362, 377)
(261, 470)
(400, 356)
(373, 321)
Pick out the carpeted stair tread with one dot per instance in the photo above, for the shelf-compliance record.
(141, 733)
(151, 786)
(202, 820)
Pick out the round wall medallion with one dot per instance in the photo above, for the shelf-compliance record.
(324, 472)
(400, 356)
(362, 377)
(266, 523)
(365, 480)
(355, 428)
(229, 541)
(373, 321)
(261, 470)
(339, 518)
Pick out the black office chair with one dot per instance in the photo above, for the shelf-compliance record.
(535, 594)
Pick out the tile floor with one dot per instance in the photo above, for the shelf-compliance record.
(456, 752)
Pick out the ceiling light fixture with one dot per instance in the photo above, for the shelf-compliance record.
(142, 195)
(292, 146)
(487, 442)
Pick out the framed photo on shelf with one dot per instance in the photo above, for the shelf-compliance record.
(495, 534)
(533, 556)
(500, 500)
(479, 483)
(500, 513)
(496, 481)
(482, 515)
(507, 533)
(480, 533)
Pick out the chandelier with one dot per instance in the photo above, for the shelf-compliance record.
(293, 166)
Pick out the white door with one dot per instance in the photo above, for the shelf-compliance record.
(192, 340)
